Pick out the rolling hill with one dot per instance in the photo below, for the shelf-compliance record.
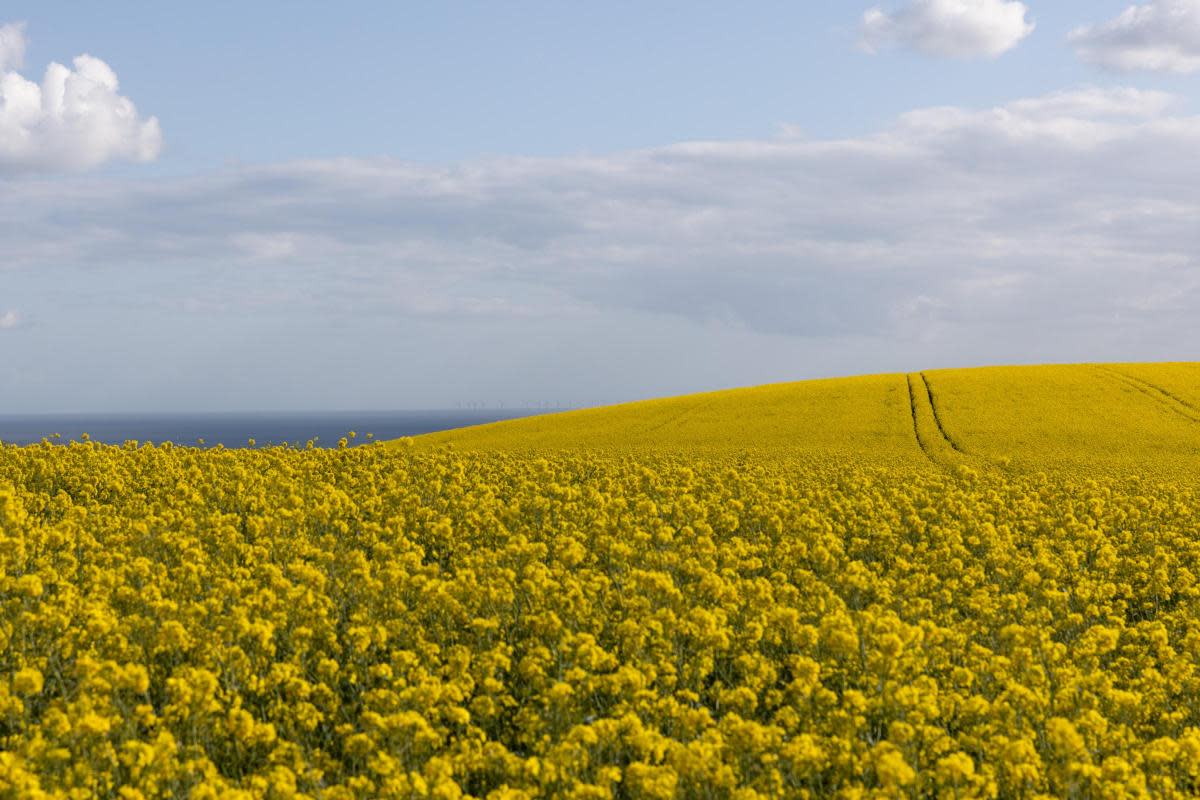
(1108, 418)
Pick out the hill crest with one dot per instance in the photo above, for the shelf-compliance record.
(1103, 417)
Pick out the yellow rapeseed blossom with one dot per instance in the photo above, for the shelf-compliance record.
(27, 681)
(804, 620)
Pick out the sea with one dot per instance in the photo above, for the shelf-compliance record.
(237, 429)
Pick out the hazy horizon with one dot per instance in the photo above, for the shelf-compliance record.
(246, 429)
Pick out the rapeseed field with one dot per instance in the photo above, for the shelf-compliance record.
(975, 583)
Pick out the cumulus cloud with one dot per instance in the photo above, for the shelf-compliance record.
(74, 119)
(949, 28)
(1160, 35)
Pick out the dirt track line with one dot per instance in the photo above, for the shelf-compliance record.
(1155, 387)
(912, 407)
(1164, 398)
(937, 418)
(679, 417)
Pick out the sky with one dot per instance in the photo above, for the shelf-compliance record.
(420, 205)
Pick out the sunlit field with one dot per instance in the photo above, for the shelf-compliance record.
(958, 583)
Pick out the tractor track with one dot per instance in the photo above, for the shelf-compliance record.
(1158, 394)
(937, 417)
(923, 406)
(912, 407)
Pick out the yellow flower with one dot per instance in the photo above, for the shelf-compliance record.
(94, 724)
(1066, 740)
(650, 782)
(891, 768)
(29, 586)
(955, 769)
(28, 681)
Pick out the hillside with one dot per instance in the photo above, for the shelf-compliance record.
(1107, 417)
(790, 591)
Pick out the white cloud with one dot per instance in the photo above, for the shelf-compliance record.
(1085, 119)
(1051, 228)
(12, 46)
(949, 28)
(75, 119)
(9, 319)
(1161, 35)
(1045, 219)
(268, 246)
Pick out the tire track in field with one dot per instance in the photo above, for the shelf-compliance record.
(939, 447)
(912, 407)
(1158, 394)
(937, 417)
(683, 414)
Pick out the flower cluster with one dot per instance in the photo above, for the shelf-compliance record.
(384, 622)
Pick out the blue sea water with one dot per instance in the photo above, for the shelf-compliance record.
(236, 429)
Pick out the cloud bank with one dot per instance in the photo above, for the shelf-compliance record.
(1160, 36)
(74, 119)
(1073, 211)
(949, 28)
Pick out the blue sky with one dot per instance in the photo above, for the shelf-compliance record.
(415, 205)
(447, 81)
